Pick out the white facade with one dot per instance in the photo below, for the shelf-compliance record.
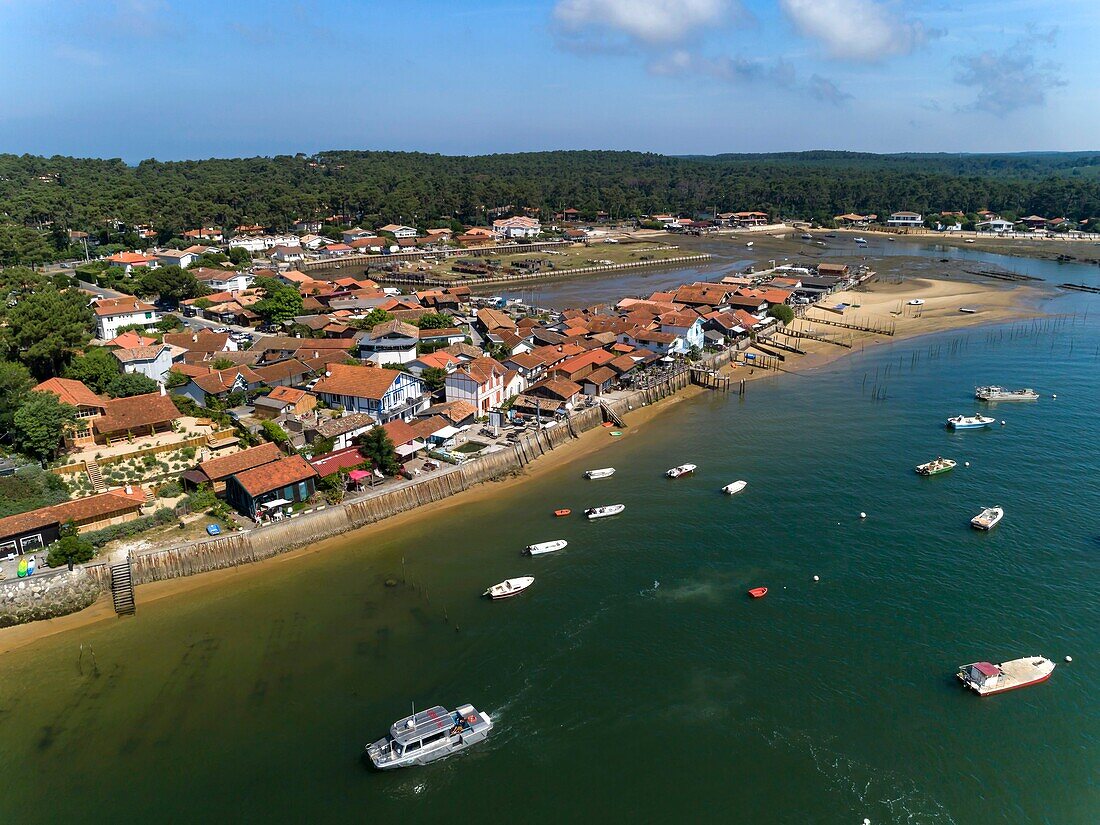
(155, 367)
(171, 257)
(460, 385)
(995, 225)
(392, 348)
(230, 282)
(910, 219)
(107, 326)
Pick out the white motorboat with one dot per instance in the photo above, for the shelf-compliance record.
(545, 547)
(604, 472)
(988, 518)
(509, 587)
(682, 470)
(915, 302)
(429, 735)
(969, 422)
(735, 487)
(604, 512)
(861, 241)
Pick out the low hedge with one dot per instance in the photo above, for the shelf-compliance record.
(98, 538)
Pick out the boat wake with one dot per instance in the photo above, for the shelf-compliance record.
(874, 793)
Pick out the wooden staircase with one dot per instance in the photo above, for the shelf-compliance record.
(611, 415)
(122, 588)
(95, 476)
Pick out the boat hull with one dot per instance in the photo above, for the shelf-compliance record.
(995, 691)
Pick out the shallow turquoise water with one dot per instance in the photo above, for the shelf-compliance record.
(620, 698)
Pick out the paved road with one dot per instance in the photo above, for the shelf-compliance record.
(101, 291)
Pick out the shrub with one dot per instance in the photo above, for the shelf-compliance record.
(98, 538)
(169, 489)
(202, 499)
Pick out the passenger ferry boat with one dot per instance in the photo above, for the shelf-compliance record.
(682, 470)
(1001, 394)
(604, 512)
(969, 422)
(935, 467)
(605, 472)
(988, 518)
(429, 735)
(986, 678)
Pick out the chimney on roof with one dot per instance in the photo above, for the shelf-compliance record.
(316, 354)
(162, 391)
(129, 490)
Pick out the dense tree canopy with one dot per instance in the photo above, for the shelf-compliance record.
(59, 193)
(281, 302)
(39, 424)
(45, 328)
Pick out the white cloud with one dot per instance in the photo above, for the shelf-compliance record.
(651, 22)
(1011, 79)
(858, 30)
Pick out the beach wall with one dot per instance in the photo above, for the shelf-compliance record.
(46, 596)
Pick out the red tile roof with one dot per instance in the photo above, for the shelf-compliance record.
(135, 412)
(72, 392)
(217, 469)
(360, 382)
(79, 510)
(277, 474)
(120, 306)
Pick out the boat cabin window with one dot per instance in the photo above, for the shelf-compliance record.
(412, 746)
(435, 737)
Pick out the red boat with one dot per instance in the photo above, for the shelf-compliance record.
(560, 513)
(758, 592)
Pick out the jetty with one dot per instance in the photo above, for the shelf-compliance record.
(879, 328)
(1081, 288)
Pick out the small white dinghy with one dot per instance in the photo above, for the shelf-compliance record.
(988, 518)
(736, 487)
(604, 472)
(682, 470)
(509, 587)
(545, 547)
(604, 512)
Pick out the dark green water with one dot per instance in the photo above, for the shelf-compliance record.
(617, 700)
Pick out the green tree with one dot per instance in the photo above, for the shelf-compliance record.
(377, 447)
(435, 320)
(281, 302)
(97, 368)
(171, 284)
(71, 548)
(39, 425)
(131, 383)
(15, 383)
(782, 313)
(20, 245)
(375, 317)
(274, 433)
(46, 328)
(434, 378)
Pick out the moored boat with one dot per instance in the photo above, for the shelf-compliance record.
(861, 241)
(735, 487)
(604, 472)
(986, 678)
(1002, 394)
(969, 422)
(988, 518)
(545, 547)
(936, 466)
(562, 512)
(509, 588)
(429, 735)
(682, 470)
(604, 512)
(758, 592)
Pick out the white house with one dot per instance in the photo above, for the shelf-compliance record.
(349, 235)
(309, 225)
(383, 394)
(686, 325)
(519, 227)
(223, 280)
(113, 313)
(398, 231)
(905, 219)
(129, 261)
(152, 361)
(250, 244)
(392, 342)
(994, 225)
(176, 257)
(663, 343)
(481, 383)
(287, 254)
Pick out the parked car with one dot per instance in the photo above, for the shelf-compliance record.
(213, 530)
(221, 330)
(189, 311)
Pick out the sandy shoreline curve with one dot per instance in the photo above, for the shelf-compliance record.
(877, 302)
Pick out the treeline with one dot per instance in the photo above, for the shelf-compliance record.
(53, 195)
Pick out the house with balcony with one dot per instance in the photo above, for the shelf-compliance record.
(380, 393)
(398, 231)
(905, 220)
(391, 342)
(112, 314)
(520, 227)
(89, 407)
(480, 382)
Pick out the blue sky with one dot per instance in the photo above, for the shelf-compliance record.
(173, 79)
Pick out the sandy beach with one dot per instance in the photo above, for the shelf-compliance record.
(878, 302)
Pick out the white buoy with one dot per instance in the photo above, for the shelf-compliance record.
(817, 578)
(867, 821)
(966, 463)
(863, 515)
(1069, 658)
(1003, 422)
(1055, 395)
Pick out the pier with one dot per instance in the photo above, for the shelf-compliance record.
(711, 379)
(879, 328)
